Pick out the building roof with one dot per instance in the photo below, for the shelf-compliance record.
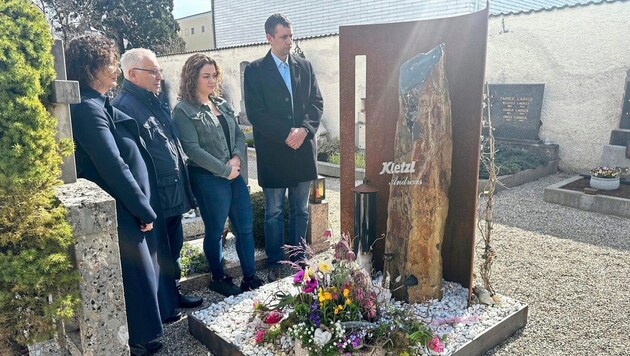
(513, 7)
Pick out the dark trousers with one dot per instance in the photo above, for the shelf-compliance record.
(175, 234)
(219, 198)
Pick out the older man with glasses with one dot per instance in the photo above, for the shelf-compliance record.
(139, 99)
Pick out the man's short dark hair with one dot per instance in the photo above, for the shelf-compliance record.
(275, 20)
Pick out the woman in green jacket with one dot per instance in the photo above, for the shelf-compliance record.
(216, 148)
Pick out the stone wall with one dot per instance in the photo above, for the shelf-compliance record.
(579, 53)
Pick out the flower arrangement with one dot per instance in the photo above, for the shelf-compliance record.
(336, 309)
(606, 172)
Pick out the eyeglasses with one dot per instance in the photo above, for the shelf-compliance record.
(153, 72)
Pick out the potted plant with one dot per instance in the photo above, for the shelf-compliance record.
(606, 178)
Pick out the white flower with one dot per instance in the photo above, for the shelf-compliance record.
(321, 337)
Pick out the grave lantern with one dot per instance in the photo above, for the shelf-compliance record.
(318, 190)
(364, 216)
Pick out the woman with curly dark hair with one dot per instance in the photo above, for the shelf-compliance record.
(109, 152)
(216, 148)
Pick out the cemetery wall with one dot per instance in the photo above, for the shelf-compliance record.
(580, 54)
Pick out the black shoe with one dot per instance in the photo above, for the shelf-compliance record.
(154, 346)
(251, 283)
(224, 286)
(274, 273)
(188, 301)
(176, 316)
(138, 350)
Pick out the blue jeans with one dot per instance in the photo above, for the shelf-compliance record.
(219, 198)
(274, 219)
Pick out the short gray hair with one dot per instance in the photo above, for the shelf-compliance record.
(133, 58)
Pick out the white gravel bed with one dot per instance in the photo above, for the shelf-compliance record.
(571, 267)
(231, 318)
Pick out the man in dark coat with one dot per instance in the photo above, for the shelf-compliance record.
(139, 100)
(284, 105)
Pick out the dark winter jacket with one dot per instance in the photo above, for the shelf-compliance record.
(161, 139)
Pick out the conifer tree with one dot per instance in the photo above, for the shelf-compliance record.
(38, 283)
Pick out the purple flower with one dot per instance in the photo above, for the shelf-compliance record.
(298, 277)
(314, 318)
(310, 286)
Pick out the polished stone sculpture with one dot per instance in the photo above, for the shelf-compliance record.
(420, 179)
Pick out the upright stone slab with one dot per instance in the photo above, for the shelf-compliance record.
(421, 176)
(515, 110)
(64, 92)
(102, 318)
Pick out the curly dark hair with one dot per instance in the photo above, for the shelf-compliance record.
(190, 74)
(88, 54)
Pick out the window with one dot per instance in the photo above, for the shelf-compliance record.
(203, 28)
(186, 32)
(192, 30)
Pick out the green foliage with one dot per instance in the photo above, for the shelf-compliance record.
(329, 152)
(258, 208)
(132, 23)
(249, 142)
(193, 260)
(509, 161)
(359, 159)
(142, 23)
(34, 235)
(327, 149)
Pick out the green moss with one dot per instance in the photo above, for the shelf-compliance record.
(34, 234)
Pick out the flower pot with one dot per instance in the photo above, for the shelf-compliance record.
(604, 183)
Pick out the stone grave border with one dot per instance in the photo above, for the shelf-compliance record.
(489, 338)
(579, 200)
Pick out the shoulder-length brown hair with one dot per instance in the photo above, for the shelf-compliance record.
(88, 54)
(190, 74)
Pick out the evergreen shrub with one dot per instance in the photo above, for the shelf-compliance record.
(510, 160)
(38, 284)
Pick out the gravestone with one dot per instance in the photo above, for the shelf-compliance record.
(617, 152)
(465, 40)
(624, 123)
(418, 195)
(515, 110)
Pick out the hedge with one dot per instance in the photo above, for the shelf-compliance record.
(34, 234)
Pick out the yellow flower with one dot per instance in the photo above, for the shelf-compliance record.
(338, 308)
(346, 292)
(348, 301)
(325, 267)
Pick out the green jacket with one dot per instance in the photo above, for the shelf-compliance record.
(203, 139)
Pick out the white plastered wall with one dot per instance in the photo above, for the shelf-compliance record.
(581, 54)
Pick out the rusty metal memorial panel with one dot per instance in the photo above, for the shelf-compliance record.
(387, 47)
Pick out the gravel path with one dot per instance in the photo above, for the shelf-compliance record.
(572, 268)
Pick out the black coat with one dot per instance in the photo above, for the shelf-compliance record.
(110, 153)
(161, 138)
(268, 104)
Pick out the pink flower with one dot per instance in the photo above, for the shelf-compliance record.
(260, 336)
(273, 317)
(310, 286)
(298, 277)
(436, 345)
(328, 233)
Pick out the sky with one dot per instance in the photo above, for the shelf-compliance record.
(183, 8)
